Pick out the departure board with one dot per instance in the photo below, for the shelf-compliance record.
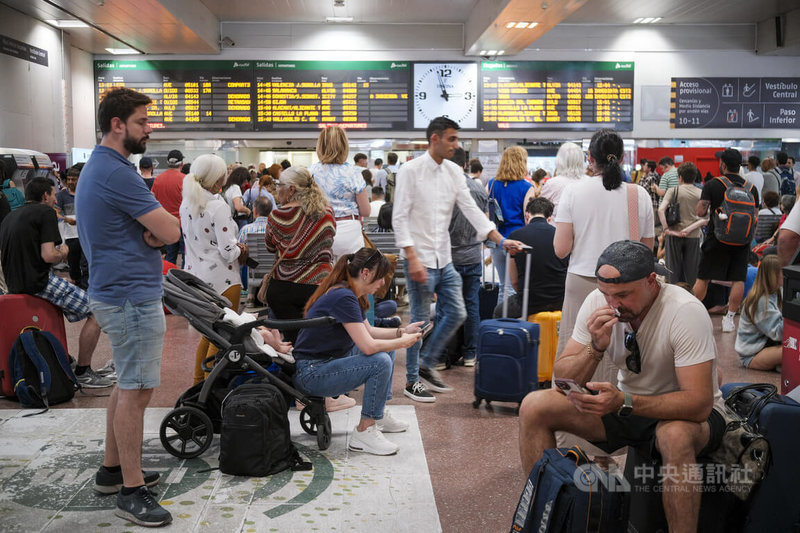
(187, 95)
(556, 95)
(314, 94)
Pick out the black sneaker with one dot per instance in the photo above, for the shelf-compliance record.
(434, 380)
(106, 482)
(416, 391)
(142, 508)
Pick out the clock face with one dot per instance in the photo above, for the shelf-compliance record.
(446, 89)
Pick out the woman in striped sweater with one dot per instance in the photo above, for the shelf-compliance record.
(301, 231)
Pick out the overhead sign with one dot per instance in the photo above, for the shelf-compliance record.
(735, 103)
(18, 49)
(574, 95)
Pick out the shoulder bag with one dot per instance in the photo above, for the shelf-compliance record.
(673, 211)
(495, 212)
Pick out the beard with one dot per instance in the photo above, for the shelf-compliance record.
(135, 146)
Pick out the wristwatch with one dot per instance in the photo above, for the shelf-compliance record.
(627, 405)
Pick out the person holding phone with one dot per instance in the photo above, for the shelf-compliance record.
(335, 359)
(665, 398)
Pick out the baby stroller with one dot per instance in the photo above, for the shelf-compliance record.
(188, 430)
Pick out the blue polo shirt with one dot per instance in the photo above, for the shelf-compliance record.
(110, 197)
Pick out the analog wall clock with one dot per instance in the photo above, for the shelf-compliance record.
(446, 89)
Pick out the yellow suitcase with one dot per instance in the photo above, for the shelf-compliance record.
(549, 322)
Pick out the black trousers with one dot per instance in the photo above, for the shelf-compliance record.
(287, 300)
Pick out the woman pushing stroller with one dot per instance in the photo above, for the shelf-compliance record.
(336, 359)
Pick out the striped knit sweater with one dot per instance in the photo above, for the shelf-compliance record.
(309, 259)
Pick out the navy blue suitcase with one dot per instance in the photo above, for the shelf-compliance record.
(508, 354)
(775, 505)
(487, 299)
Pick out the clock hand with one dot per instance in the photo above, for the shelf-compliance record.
(442, 87)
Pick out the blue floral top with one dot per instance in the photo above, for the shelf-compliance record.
(341, 183)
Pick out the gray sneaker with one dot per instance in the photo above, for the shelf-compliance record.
(108, 370)
(91, 380)
(107, 482)
(142, 508)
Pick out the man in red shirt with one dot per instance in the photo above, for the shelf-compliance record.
(168, 190)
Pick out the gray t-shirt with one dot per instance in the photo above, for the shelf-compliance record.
(465, 247)
(676, 332)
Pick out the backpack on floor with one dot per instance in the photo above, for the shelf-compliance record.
(255, 439)
(788, 185)
(735, 218)
(40, 370)
(566, 492)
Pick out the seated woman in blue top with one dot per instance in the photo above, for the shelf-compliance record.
(759, 339)
(336, 359)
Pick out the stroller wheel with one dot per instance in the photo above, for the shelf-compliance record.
(307, 422)
(324, 433)
(186, 432)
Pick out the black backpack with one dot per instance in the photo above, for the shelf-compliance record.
(255, 439)
(40, 370)
(390, 183)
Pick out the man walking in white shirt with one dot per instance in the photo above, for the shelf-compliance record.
(427, 189)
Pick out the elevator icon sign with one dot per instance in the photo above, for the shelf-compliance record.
(727, 90)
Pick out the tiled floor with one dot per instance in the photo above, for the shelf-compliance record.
(472, 454)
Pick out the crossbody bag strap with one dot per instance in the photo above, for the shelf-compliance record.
(280, 257)
(633, 211)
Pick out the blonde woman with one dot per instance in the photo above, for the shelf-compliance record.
(509, 190)
(301, 231)
(344, 187)
(212, 252)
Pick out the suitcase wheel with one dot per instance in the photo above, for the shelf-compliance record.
(186, 432)
(476, 403)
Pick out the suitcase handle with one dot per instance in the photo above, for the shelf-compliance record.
(575, 453)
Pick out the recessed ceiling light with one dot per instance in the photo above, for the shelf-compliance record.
(532, 25)
(492, 52)
(482, 53)
(501, 52)
(67, 23)
(121, 51)
(339, 19)
(521, 25)
(646, 20)
(637, 21)
(511, 25)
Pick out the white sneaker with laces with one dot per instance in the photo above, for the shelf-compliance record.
(728, 325)
(371, 440)
(389, 424)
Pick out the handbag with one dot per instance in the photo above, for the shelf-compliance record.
(495, 212)
(744, 453)
(673, 211)
(262, 291)
(387, 279)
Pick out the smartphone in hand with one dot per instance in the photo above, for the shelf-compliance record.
(567, 385)
(426, 327)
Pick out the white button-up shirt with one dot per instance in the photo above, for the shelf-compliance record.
(425, 194)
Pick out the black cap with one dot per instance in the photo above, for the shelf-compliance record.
(731, 157)
(174, 157)
(145, 162)
(633, 259)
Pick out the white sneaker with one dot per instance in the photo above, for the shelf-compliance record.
(727, 324)
(371, 440)
(389, 424)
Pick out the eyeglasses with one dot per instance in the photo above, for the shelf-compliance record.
(634, 359)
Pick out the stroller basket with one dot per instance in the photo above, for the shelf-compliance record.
(188, 430)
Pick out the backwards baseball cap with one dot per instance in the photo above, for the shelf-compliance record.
(174, 157)
(145, 162)
(731, 157)
(633, 259)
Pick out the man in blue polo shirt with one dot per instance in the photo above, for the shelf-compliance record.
(122, 228)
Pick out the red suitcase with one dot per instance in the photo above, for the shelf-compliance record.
(20, 311)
